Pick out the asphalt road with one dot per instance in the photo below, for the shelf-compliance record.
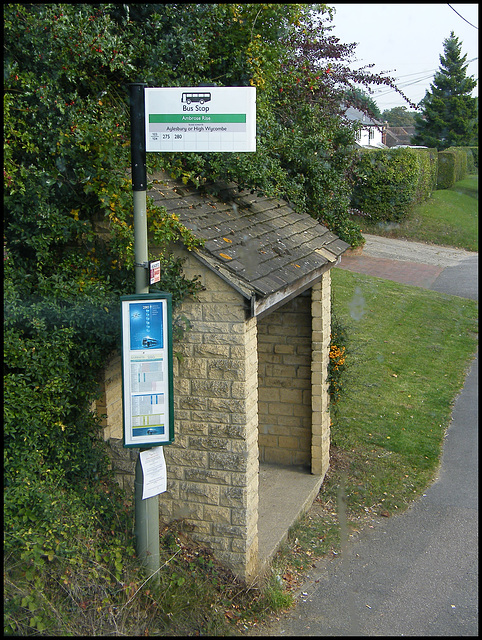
(415, 574)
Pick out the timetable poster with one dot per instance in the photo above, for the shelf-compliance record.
(147, 370)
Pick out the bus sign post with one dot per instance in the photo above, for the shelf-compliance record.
(200, 119)
(204, 119)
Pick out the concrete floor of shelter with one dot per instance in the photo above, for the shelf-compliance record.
(285, 494)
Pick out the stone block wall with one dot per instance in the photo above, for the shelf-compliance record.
(123, 461)
(284, 375)
(113, 397)
(213, 464)
(321, 329)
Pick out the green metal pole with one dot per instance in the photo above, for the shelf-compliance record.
(146, 511)
(146, 527)
(141, 255)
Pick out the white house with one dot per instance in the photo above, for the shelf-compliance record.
(371, 133)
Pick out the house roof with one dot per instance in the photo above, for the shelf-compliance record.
(260, 245)
(355, 115)
(399, 135)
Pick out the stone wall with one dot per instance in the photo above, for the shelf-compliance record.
(320, 345)
(284, 375)
(213, 464)
(110, 406)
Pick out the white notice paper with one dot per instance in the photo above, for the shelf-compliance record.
(154, 472)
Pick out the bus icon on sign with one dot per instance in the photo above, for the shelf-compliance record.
(196, 97)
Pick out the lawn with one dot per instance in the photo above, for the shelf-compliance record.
(408, 353)
(448, 218)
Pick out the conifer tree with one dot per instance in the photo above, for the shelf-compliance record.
(449, 112)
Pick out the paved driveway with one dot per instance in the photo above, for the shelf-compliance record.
(452, 271)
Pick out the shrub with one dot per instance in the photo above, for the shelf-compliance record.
(337, 360)
(452, 167)
(427, 173)
(475, 155)
(386, 182)
(472, 158)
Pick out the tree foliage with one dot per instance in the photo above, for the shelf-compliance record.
(362, 100)
(449, 113)
(399, 117)
(68, 214)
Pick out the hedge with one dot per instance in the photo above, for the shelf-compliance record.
(472, 158)
(388, 182)
(452, 167)
(428, 171)
(475, 156)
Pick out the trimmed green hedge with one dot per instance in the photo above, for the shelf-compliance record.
(388, 182)
(472, 158)
(428, 171)
(455, 164)
(475, 156)
(452, 167)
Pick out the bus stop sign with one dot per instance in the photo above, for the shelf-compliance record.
(200, 119)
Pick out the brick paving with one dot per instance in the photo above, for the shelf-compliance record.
(403, 271)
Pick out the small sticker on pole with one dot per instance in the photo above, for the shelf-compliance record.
(154, 271)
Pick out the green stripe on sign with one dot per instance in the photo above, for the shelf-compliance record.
(197, 117)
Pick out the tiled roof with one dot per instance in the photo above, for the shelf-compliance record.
(399, 135)
(355, 115)
(257, 243)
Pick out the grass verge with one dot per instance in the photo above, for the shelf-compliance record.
(408, 353)
(448, 218)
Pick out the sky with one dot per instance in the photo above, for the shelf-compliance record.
(406, 40)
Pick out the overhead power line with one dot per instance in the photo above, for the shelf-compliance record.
(408, 83)
(417, 73)
(472, 25)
